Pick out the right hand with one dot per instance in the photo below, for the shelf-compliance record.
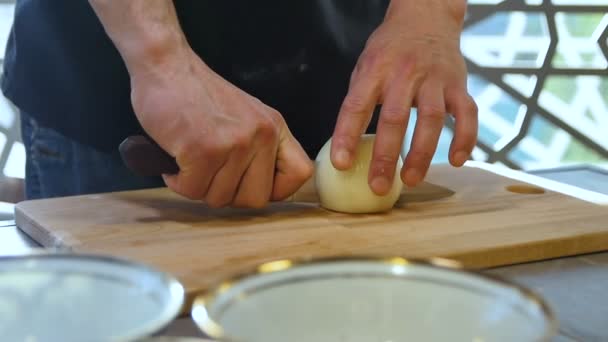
(232, 149)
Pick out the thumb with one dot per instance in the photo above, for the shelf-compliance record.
(293, 167)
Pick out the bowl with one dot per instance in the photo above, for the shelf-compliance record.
(371, 299)
(75, 297)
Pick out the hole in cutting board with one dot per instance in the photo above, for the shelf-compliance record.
(525, 189)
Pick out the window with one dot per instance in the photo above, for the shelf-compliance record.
(12, 153)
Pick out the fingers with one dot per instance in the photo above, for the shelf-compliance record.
(256, 186)
(225, 183)
(195, 177)
(464, 109)
(293, 167)
(256, 171)
(353, 118)
(429, 123)
(392, 124)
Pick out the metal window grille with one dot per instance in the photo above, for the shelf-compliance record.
(539, 72)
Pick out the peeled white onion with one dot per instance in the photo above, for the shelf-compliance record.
(349, 191)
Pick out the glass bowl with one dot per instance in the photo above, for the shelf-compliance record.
(371, 299)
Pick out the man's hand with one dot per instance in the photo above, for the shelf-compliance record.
(226, 142)
(413, 59)
(231, 148)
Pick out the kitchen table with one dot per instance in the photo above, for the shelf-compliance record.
(575, 287)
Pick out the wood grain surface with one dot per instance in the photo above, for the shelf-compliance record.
(469, 214)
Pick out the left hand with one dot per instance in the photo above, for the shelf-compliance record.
(413, 59)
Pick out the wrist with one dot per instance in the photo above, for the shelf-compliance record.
(146, 33)
(152, 50)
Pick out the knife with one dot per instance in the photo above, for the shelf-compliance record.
(146, 158)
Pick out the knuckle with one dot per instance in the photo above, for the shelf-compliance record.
(371, 62)
(411, 64)
(213, 150)
(241, 142)
(471, 107)
(188, 151)
(267, 129)
(470, 137)
(393, 116)
(384, 160)
(431, 112)
(411, 68)
(305, 171)
(462, 102)
(275, 117)
(420, 155)
(346, 141)
(465, 139)
(210, 150)
(354, 106)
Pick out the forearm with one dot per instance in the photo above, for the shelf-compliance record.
(145, 32)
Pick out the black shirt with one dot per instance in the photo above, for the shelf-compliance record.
(296, 56)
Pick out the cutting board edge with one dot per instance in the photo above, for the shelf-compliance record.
(531, 252)
(544, 183)
(477, 262)
(31, 228)
(574, 248)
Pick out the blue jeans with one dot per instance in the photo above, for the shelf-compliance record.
(57, 166)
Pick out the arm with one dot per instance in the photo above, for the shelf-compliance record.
(231, 148)
(145, 32)
(413, 59)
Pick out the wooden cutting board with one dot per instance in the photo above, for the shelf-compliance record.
(470, 214)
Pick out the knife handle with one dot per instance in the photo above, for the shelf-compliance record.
(146, 158)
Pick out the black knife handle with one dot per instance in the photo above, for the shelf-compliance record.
(145, 158)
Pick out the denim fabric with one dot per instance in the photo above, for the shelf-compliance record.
(57, 166)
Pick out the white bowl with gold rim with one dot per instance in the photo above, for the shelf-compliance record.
(371, 299)
(71, 297)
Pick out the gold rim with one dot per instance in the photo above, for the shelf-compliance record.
(214, 330)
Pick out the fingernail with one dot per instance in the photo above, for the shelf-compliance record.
(461, 157)
(380, 185)
(342, 157)
(412, 177)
